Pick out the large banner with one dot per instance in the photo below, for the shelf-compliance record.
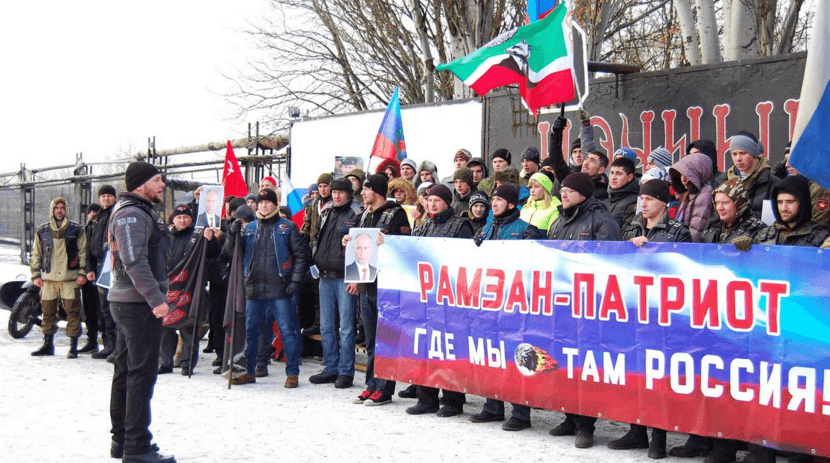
(690, 338)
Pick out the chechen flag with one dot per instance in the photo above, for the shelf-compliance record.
(809, 153)
(538, 57)
(390, 144)
(232, 176)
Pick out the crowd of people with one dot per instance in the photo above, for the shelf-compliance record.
(583, 194)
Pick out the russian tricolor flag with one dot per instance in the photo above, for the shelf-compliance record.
(293, 198)
(812, 128)
(390, 144)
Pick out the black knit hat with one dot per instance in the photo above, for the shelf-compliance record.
(503, 154)
(508, 192)
(581, 183)
(181, 209)
(245, 213)
(531, 154)
(106, 190)
(138, 173)
(442, 192)
(268, 194)
(235, 203)
(378, 183)
(657, 189)
(576, 144)
(341, 184)
(94, 207)
(480, 197)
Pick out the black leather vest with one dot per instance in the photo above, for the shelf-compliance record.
(70, 238)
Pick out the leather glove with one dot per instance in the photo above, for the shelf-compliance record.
(742, 243)
(236, 227)
(292, 288)
(559, 124)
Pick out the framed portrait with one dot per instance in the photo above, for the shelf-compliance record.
(209, 214)
(345, 164)
(362, 256)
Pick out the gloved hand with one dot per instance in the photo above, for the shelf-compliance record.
(584, 116)
(235, 227)
(292, 288)
(559, 124)
(742, 243)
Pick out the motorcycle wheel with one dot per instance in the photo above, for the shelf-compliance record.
(24, 314)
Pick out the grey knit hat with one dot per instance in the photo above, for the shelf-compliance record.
(661, 157)
(742, 142)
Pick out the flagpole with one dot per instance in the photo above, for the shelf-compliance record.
(368, 163)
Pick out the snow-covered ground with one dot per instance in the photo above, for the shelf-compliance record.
(53, 409)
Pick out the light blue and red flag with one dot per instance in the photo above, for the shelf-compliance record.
(809, 153)
(390, 143)
(293, 198)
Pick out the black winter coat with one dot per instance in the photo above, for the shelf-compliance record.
(97, 243)
(667, 231)
(329, 253)
(263, 280)
(622, 203)
(811, 234)
(587, 221)
(445, 224)
(760, 189)
(389, 217)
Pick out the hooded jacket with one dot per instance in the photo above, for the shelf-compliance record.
(539, 215)
(586, 221)
(695, 209)
(622, 203)
(666, 231)
(804, 232)
(509, 227)
(59, 251)
(429, 167)
(409, 190)
(759, 184)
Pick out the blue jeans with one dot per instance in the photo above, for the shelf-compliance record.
(334, 301)
(284, 311)
(369, 314)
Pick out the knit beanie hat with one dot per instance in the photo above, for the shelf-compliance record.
(655, 173)
(735, 190)
(626, 153)
(507, 175)
(341, 184)
(531, 154)
(245, 213)
(270, 179)
(138, 173)
(181, 209)
(464, 154)
(106, 190)
(267, 194)
(543, 180)
(94, 207)
(410, 163)
(252, 197)
(742, 142)
(502, 153)
(661, 157)
(546, 162)
(325, 179)
(465, 174)
(576, 144)
(442, 192)
(657, 189)
(581, 183)
(378, 183)
(508, 192)
(479, 197)
(235, 203)
(285, 210)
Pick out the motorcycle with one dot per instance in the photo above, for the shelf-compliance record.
(24, 299)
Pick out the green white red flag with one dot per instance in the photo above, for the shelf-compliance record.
(538, 57)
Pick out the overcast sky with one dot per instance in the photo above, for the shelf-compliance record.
(100, 77)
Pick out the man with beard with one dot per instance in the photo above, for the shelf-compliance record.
(506, 225)
(391, 219)
(98, 247)
(57, 265)
(138, 299)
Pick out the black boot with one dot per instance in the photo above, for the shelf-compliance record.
(724, 451)
(73, 348)
(657, 448)
(636, 438)
(109, 347)
(759, 454)
(48, 347)
(695, 446)
(91, 343)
